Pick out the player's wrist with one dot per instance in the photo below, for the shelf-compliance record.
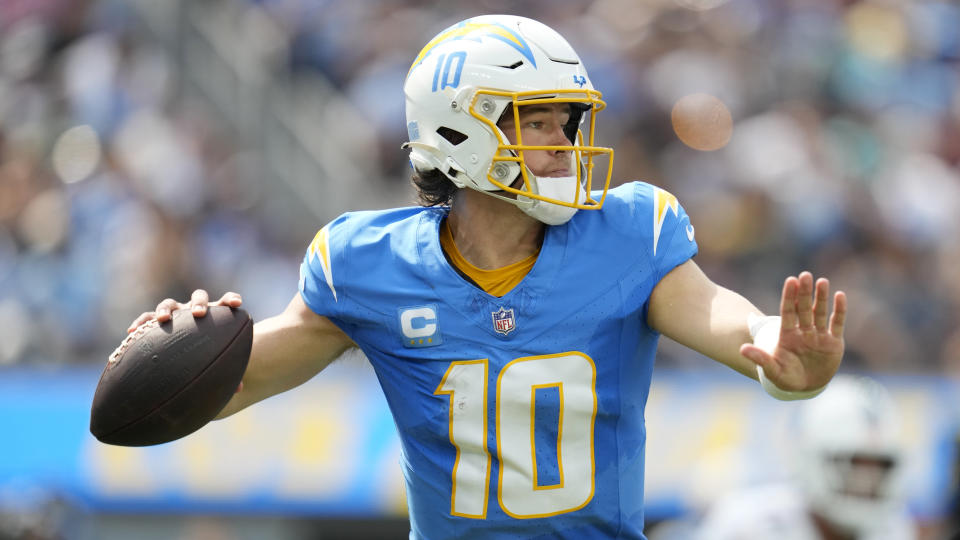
(785, 395)
(765, 331)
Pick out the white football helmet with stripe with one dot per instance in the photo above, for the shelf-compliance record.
(471, 74)
(850, 454)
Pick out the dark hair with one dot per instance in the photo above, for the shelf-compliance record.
(433, 187)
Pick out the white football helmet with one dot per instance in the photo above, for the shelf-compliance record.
(850, 455)
(467, 77)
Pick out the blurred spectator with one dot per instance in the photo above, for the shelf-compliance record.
(126, 166)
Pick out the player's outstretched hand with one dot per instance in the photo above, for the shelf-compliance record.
(810, 347)
(199, 301)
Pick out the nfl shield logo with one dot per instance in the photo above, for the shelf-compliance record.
(503, 321)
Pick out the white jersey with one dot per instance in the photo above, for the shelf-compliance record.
(779, 511)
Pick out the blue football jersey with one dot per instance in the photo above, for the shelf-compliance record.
(519, 416)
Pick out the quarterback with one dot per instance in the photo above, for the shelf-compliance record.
(512, 319)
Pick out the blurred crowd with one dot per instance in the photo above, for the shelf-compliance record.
(119, 188)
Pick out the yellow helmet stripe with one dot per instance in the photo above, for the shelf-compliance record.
(477, 31)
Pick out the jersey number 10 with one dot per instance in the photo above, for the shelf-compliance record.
(520, 495)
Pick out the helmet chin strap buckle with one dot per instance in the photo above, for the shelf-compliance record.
(501, 172)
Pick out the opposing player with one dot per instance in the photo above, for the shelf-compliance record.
(848, 481)
(512, 321)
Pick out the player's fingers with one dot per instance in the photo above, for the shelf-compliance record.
(820, 301)
(198, 302)
(166, 308)
(839, 314)
(805, 301)
(757, 355)
(788, 303)
(231, 299)
(144, 317)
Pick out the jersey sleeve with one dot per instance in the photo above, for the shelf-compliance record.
(672, 240)
(319, 273)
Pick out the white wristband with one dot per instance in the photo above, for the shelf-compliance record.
(765, 332)
(785, 395)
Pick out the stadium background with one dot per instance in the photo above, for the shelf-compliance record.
(147, 148)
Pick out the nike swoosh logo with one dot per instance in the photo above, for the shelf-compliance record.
(690, 233)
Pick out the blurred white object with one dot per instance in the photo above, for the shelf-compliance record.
(849, 469)
(76, 154)
(15, 332)
(780, 511)
(918, 196)
(850, 456)
(162, 161)
(45, 222)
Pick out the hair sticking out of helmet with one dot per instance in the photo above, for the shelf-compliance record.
(471, 74)
(849, 457)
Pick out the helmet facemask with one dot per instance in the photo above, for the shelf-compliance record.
(860, 488)
(552, 200)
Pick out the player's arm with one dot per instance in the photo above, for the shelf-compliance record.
(288, 349)
(689, 308)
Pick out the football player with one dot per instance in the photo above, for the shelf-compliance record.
(848, 481)
(512, 320)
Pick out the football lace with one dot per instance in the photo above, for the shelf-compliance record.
(133, 336)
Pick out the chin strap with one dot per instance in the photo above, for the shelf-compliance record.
(555, 188)
(765, 332)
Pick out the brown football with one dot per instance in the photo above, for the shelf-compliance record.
(167, 380)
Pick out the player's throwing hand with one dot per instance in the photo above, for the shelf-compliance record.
(199, 301)
(198, 304)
